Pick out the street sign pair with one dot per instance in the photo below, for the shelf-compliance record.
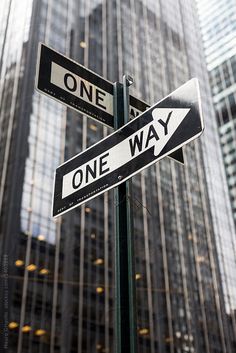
(157, 132)
(81, 89)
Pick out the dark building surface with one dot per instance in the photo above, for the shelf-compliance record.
(60, 283)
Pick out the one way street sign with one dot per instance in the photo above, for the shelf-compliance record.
(161, 130)
(81, 89)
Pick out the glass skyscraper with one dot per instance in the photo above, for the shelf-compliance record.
(58, 288)
(217, 19)
(219, 32)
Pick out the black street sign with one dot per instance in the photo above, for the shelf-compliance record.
(73, 85)
(79, 88)
(159, 131)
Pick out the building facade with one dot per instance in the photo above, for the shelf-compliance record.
(217, 20)
(218, 30)
(59, 275)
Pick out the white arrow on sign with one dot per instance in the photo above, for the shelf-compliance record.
(155, 134)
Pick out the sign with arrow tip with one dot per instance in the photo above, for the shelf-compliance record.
(161, 130)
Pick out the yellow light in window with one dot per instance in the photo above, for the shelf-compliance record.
(200, 259)
(98, 261)
(40, 332)
(31, 267)
(168, 339)
(41, 237)
(138, 276)
(13, 325)
(192, 237)
(93, 127)
(83, 44)
(44, 271)
(143, 331)
(19, 263)
(87, 209)
(26, 328)
(99, 290)
(98, 346)
(93, 236)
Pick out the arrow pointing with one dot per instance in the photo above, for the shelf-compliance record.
(157, 133)
(154, 136)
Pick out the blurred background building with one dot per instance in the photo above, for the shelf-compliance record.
(59, 288)
(218, 27)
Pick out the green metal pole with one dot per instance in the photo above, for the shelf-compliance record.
(126, 323)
